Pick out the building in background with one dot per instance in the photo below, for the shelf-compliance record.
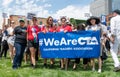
(16, 18)
(42, 20)
(1, 20)
(104, 7)
(115, 4)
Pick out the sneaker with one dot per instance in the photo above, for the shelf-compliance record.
(85, 67)
(74, 67)
(19, 66)
(12, 61)
(34, 66)
(31, 65)
(62, 68)
(45, 65)
(99, 70)
(52, 65)
(93, 69)
(116, 69)
(14, 68)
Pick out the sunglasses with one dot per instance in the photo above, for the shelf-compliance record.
(34, 20)
(50, 20)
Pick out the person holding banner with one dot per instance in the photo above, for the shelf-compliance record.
(49, 28)
(94, 25)
(81, 27)
(32, 38)
(64, 27)
(115, 38)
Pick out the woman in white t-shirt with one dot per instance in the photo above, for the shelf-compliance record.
(11, 40)
(94, 25)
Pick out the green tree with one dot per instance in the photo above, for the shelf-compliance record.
(76, 21)
(73, 21)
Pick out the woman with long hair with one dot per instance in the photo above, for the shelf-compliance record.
(32, 38)
(49, 28)
(11, 40)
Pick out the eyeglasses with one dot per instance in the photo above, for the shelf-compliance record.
(63, 20)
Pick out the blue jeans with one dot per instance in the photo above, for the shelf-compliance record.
(19, 47)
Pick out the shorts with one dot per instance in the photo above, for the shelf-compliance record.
(11, 40)
(27, 51)
(32, 44)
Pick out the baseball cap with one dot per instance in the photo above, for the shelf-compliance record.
(21, 21)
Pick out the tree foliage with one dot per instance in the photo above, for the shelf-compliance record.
(76, 21)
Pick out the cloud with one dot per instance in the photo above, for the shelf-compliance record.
(23, 1)
(6, 2)
(44, 13)
(72, 11)
(22, 7)
(43, 1)
(47, 5)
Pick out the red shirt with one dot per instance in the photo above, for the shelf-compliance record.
(64, 28)
(51, 29)
(32, 29)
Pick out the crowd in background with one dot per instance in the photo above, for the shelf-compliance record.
(22, 40)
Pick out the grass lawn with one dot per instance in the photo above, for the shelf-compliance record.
(40, 71)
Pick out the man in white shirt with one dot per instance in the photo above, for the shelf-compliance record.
(115, 38)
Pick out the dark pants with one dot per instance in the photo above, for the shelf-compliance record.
(36, 54)
(0, 47)
(77, 60)
(86, 60)
(19, 54)
(4, 48)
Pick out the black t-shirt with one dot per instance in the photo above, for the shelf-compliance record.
(20, 34)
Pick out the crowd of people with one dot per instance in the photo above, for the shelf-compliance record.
(23, 39)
